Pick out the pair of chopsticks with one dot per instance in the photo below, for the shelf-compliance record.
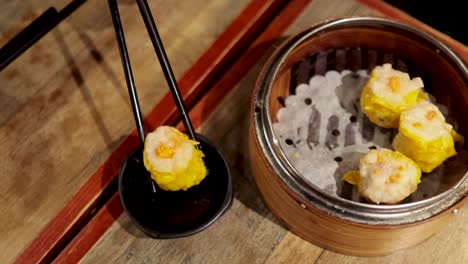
(163, 60)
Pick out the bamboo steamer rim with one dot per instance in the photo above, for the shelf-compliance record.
(343, 208)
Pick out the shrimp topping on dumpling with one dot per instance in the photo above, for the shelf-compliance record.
(173, 159)
(385, 176)
(387, 93)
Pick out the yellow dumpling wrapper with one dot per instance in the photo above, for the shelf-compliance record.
(385, 176)
(354, 178)
(387, 93)
(428, 155)
(173, 159)
(425, 137)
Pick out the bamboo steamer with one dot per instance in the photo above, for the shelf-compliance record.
(336, 223)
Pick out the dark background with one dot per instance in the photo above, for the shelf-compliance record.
(447, 16)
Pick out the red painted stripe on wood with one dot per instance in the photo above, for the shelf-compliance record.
(397, 14)
(88, 236)
(232, 41)
(237, 36)
(91, 233)
(210, 101)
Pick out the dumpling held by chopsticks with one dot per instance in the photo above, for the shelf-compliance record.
(173, 159)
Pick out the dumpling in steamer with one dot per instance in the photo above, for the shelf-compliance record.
(173, 159)
(425, 137)
(388, 93)
(385, 176)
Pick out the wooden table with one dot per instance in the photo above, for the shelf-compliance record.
(66, 118)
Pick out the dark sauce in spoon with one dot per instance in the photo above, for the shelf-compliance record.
(168, 214)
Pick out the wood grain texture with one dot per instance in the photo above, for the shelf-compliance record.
(230, 115)
(16, 16)
(448, 246)
(91, 232)
(232, 39)
(84, 240)
(66, 107)
(294, 249)
(264, 242)
(230, 132)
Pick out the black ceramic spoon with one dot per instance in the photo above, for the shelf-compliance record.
(159, 213)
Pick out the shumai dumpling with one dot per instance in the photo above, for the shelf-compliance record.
(389, 92)
(173, 159)
(385, 176)
(425, 137)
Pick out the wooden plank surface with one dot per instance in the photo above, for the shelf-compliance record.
(248, 233)
(87, 235)
(78, 210)
(16, 15)
(237, 231)
(64, 101)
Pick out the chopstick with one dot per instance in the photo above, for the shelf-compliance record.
(127, 69)
(114, 9)
(165, 65)
(34, 32)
